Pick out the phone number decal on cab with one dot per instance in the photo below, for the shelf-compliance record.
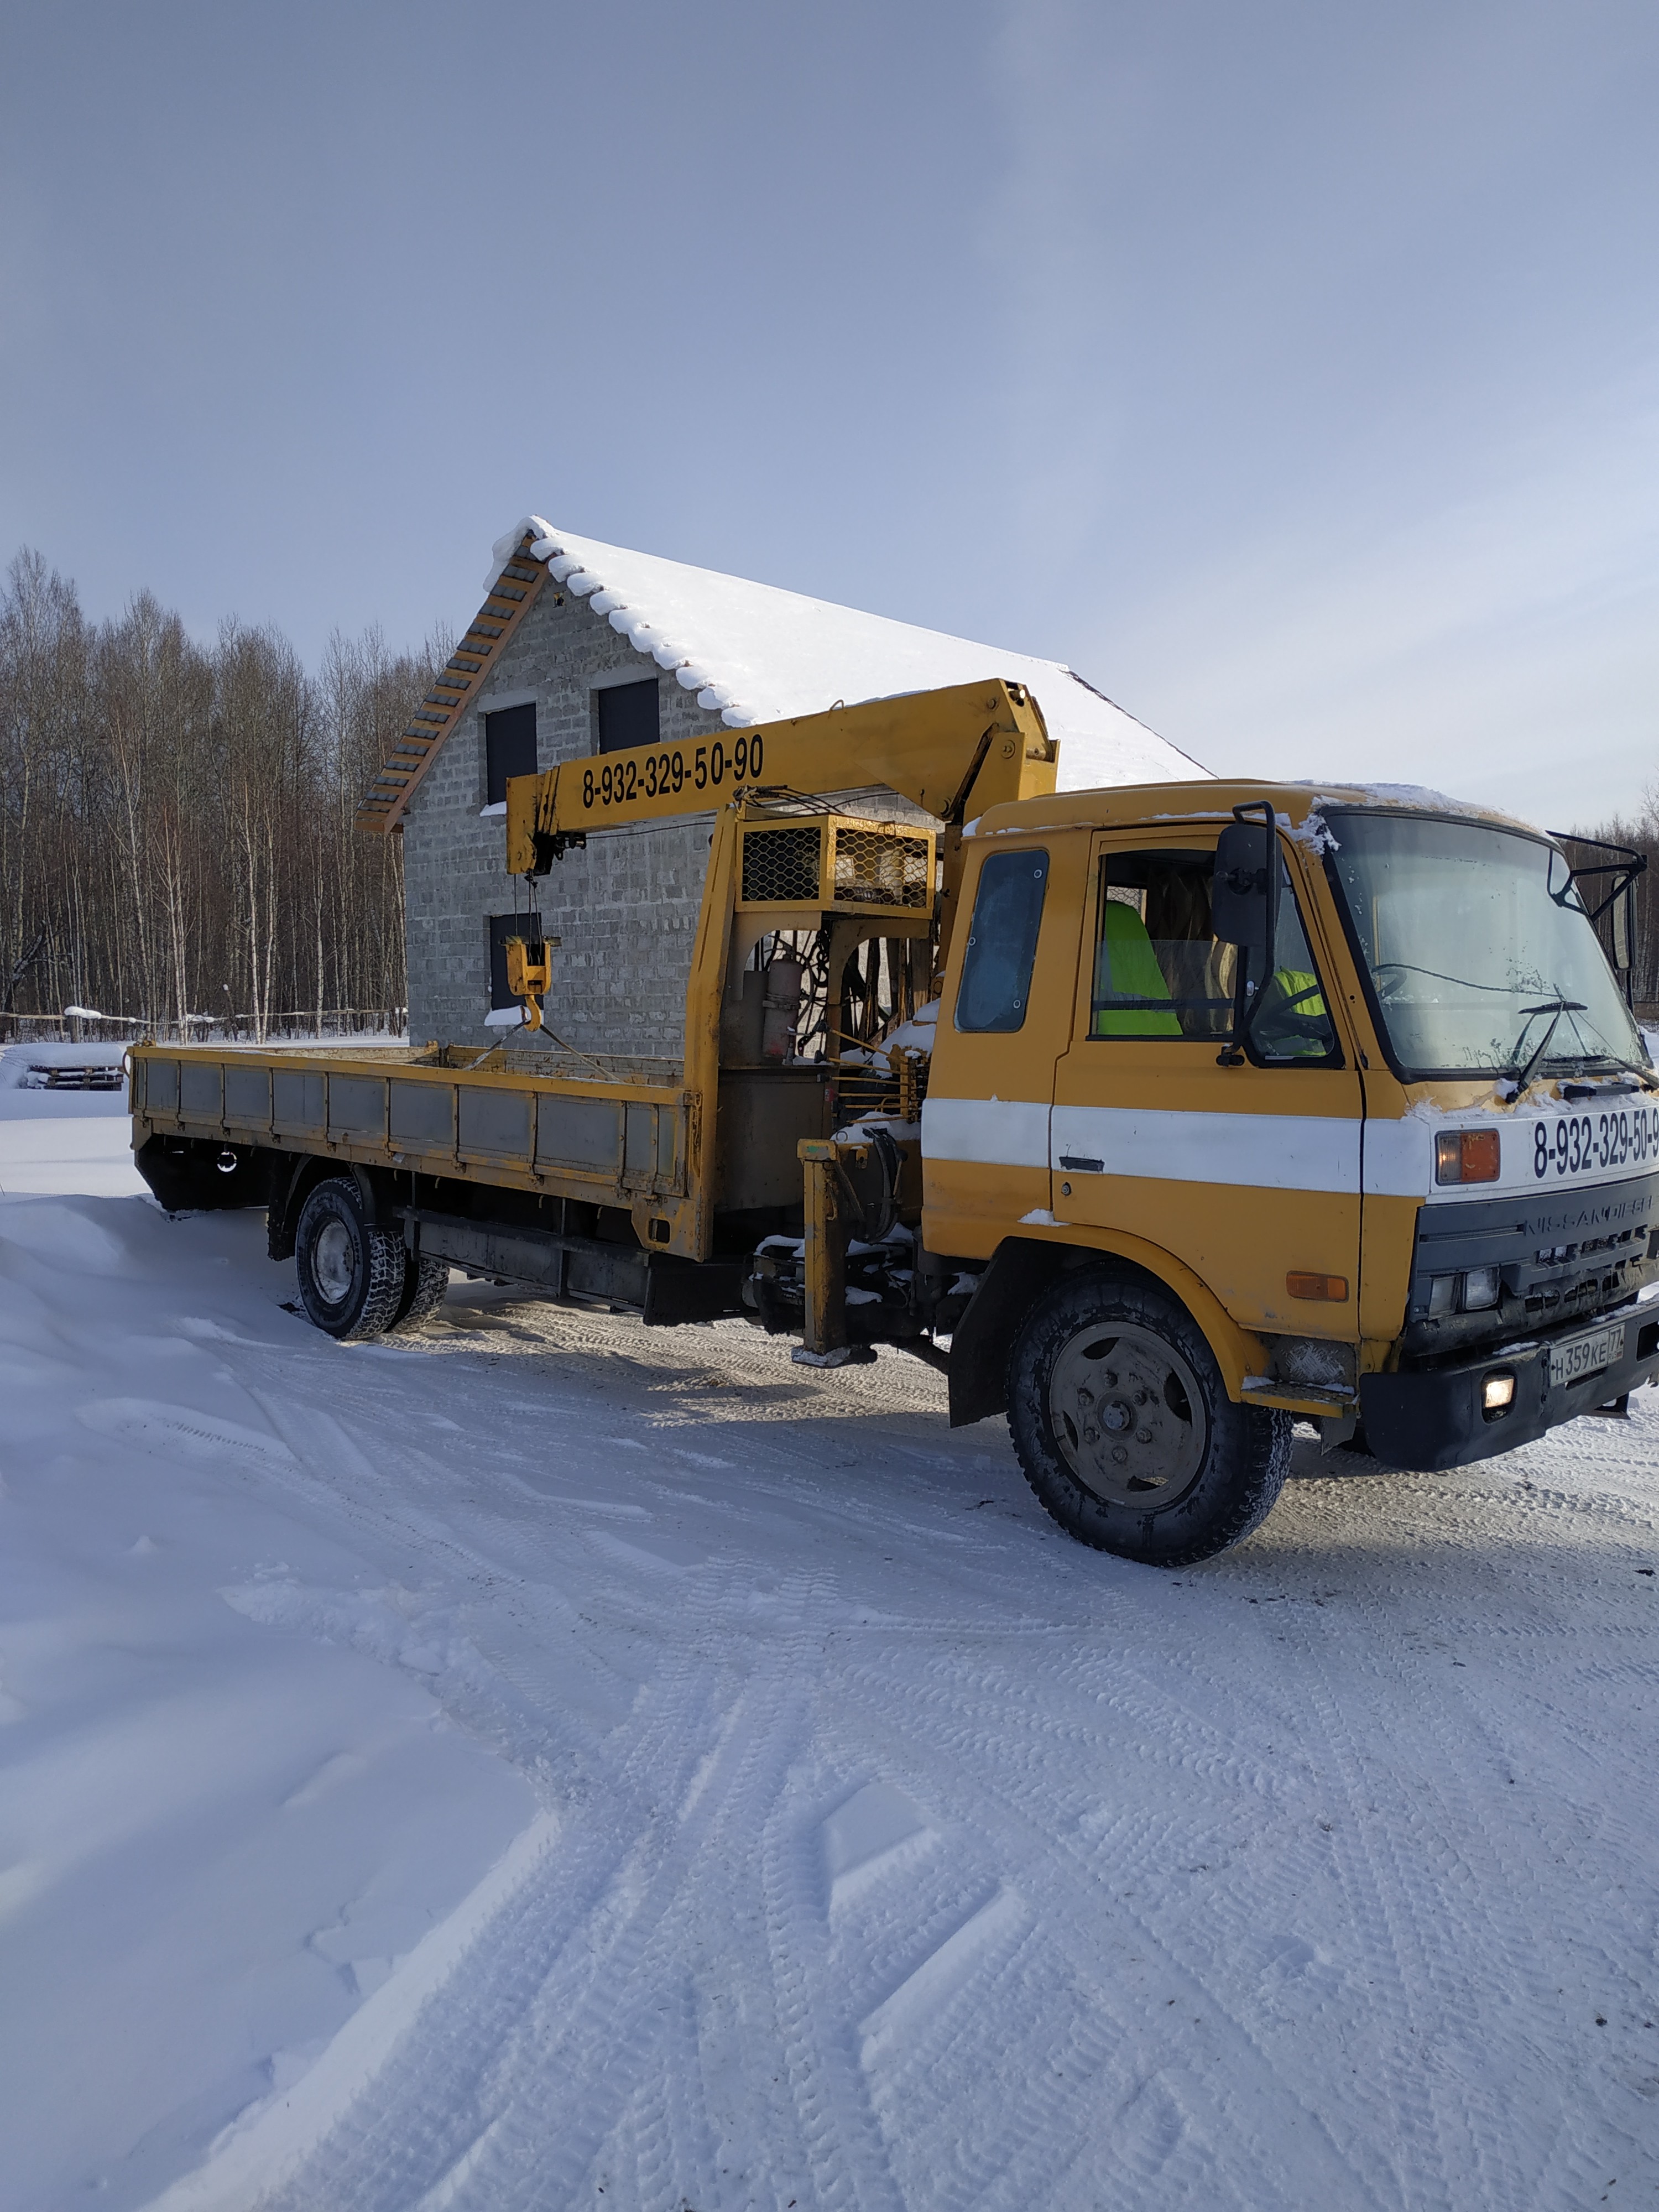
(1574, 1142)
(672, 770)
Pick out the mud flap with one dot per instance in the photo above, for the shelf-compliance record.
(1020, 1269)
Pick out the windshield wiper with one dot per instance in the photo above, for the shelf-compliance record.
(1648, 1079)
(1554, 1008)
(1589, 1063)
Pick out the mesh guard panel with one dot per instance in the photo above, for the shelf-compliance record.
(781, 867)
(875, 868)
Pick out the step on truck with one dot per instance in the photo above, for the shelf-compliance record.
(1159, 1119)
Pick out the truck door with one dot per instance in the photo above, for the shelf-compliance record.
(1005, 1019)
(1245, 1165)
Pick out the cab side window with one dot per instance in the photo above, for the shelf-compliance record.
(1294, 1022)
(1001, 949)
(1160, 972)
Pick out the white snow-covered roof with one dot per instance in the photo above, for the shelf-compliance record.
(754, 654)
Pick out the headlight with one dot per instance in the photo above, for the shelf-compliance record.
(1481, 1289)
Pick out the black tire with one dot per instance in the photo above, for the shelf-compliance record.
(1125, 1430)
(425, 1282)
(351, 1273)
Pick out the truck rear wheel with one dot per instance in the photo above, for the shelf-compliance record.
(425, 1282)
(1125, 1430)
(351, 1272)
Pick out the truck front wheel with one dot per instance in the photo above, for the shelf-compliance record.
(351, 1272)
(1125, 1430)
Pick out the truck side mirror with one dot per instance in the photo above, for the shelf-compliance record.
(1239, 895)
(1622, 931)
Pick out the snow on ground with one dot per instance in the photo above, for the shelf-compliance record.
(63, 1140)
(548, 1764)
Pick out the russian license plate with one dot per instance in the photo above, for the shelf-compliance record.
(1571, 1360)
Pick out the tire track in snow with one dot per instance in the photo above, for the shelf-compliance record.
(646, 1753)
(993, 1751)
(591, 2024)
(1110, 2103)
(842, 2148)
(1389, 1901)
(531, 1980)
(595, 2042)
(498, 2146)
(1465, 1893)
(1502, 1913)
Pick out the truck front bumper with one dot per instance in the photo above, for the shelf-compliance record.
(1431, 1417)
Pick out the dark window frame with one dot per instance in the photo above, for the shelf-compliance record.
(619, 722)
(509, 747)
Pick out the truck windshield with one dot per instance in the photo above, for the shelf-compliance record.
(1481, 957)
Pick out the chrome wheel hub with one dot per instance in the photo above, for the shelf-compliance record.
(334, 1261)
(1127, 1415)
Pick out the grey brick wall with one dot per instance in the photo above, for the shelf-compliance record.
(626, 908)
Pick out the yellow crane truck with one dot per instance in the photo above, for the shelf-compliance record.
(1158, 1118)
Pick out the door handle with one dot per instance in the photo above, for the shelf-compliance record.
(1082, 1166)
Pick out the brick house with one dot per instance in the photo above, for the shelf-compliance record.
(583, 648)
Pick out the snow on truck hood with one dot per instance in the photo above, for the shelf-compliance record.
(753, 653)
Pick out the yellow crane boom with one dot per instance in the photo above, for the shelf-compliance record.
(954, 753)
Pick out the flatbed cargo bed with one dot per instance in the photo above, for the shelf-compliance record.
(610, 1132)
(537, 1144)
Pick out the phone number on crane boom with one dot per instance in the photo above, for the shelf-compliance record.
(670, 771)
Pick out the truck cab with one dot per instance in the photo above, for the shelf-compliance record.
(1273, 1101)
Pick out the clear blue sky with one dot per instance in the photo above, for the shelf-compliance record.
(1289, 369)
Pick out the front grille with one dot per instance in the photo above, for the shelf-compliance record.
(1555, 1271)
(1559, 1256)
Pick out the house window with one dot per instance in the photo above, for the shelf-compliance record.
(501, 926)
(625, 715)
(509, 749)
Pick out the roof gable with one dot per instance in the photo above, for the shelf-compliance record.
(753, 653)
(513, 592)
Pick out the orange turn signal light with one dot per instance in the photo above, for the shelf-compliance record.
(1466, 1156)
(1334, 1289)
